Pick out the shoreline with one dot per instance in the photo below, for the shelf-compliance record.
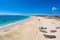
(15, 22)
(9, 27)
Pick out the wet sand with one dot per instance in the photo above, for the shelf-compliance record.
(29, 29)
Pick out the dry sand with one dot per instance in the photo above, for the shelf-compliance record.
(29, 29)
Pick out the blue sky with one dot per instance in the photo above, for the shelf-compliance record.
(29, 6)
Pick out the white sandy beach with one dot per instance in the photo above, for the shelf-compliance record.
(29, 29)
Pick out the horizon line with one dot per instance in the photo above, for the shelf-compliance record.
(48, 14)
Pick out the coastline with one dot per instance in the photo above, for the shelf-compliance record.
(11, 27)
(30, 29)
(15, 23)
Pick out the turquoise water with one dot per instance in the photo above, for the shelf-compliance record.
(6, 19)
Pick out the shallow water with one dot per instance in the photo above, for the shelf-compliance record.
(7, 19)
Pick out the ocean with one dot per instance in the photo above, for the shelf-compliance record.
(7, 19)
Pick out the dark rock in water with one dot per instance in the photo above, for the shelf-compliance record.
(4, 20)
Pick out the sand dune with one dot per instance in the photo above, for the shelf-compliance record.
(29, 29)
